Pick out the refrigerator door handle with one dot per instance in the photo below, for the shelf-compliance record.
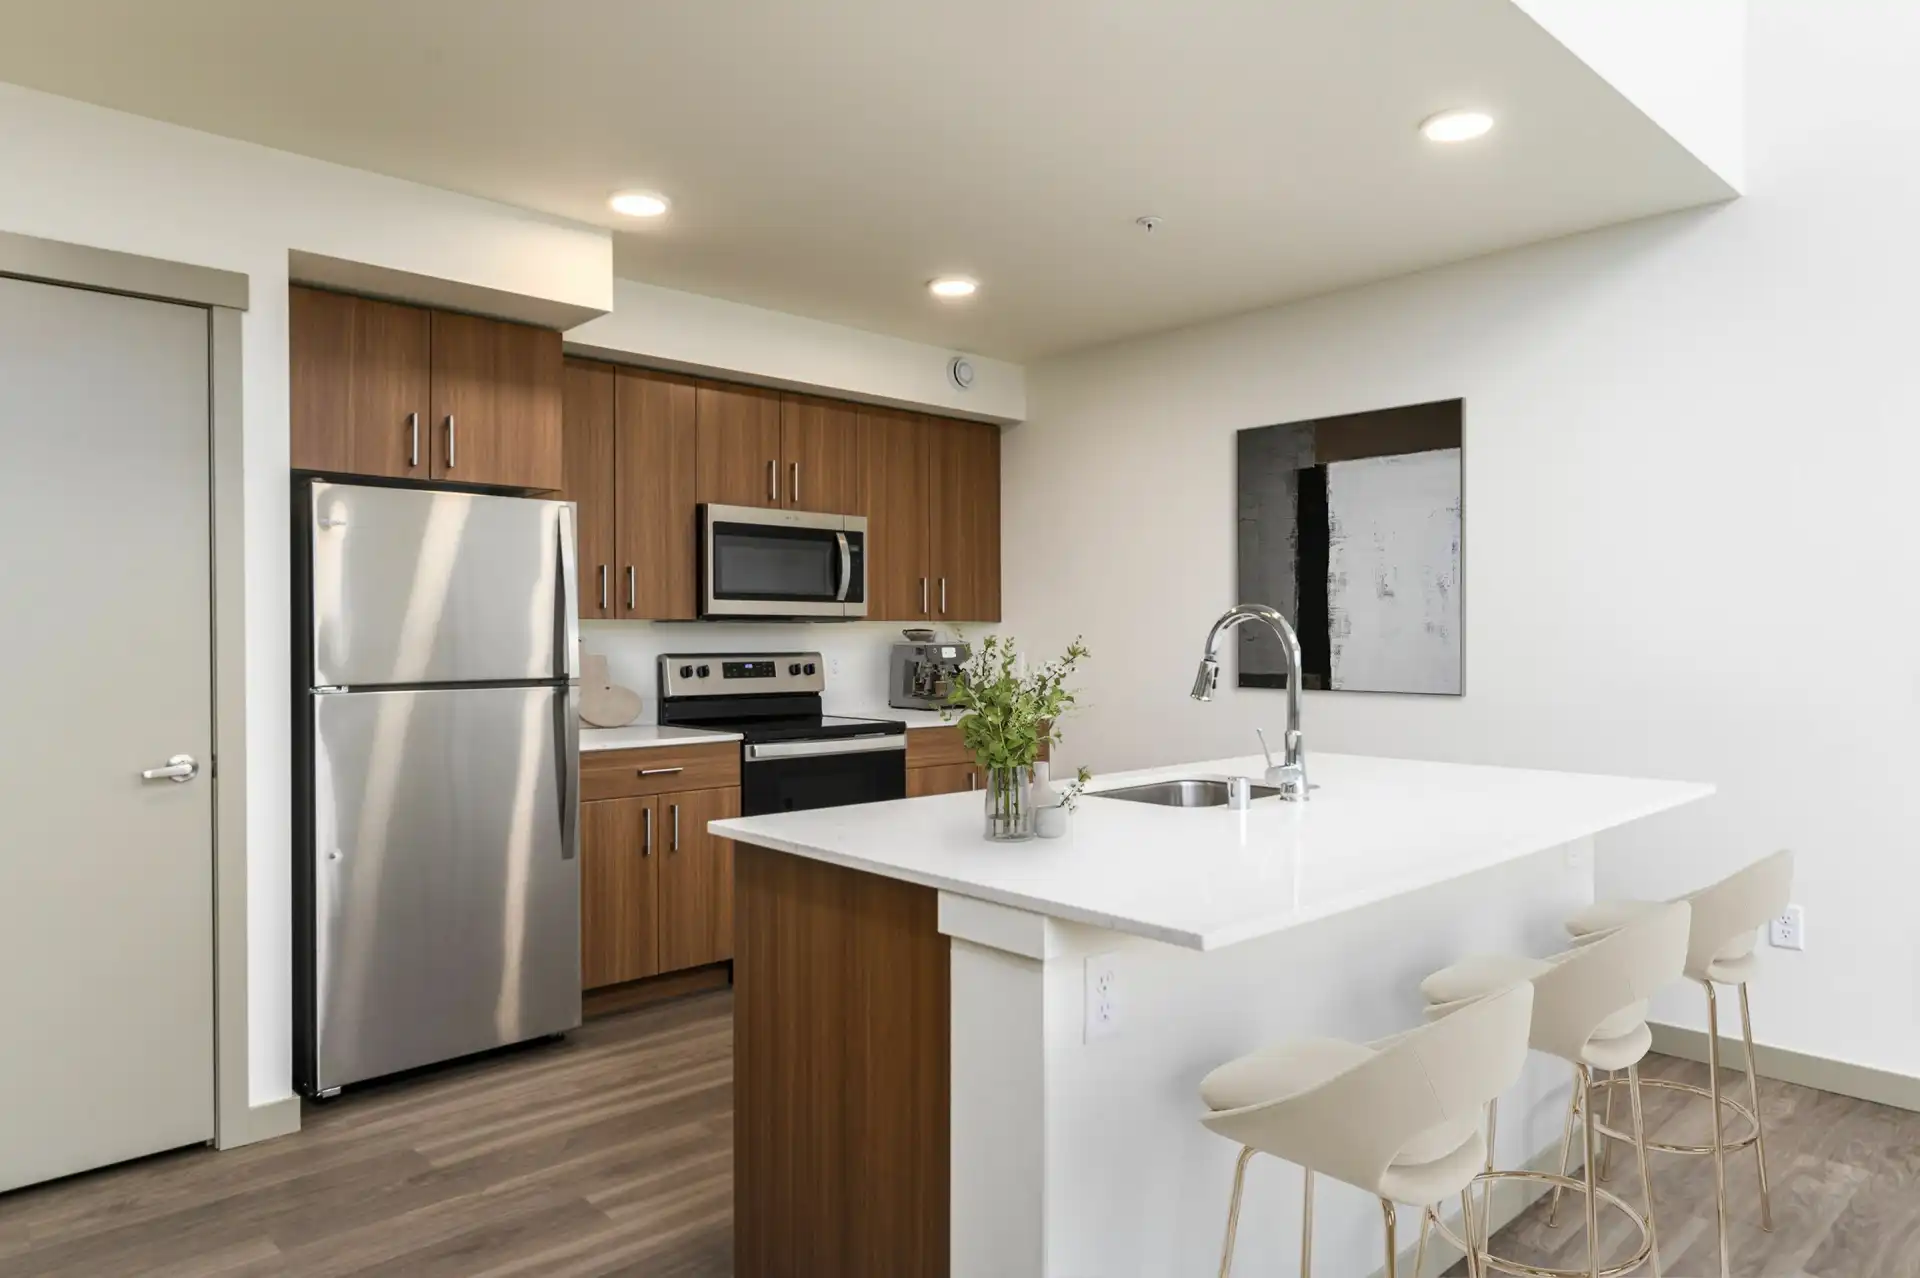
(566, 598)
(566, 767)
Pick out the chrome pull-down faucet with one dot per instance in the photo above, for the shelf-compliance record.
(1290, 775)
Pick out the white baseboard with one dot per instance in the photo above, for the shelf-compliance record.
(1510, 1198)
(268, 1120)
(1843, 1078)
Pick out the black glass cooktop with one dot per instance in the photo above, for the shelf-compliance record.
(816, 727)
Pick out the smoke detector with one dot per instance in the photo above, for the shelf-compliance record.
(960, 372)
(1148, 223)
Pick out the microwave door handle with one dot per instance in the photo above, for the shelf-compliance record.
(846, 567)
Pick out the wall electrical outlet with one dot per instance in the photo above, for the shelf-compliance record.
(1788, 931)
(1103, 996)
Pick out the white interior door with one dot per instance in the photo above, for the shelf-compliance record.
(106, 878)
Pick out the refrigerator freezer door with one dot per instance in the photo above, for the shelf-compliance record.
(446, 886)
(414, 587)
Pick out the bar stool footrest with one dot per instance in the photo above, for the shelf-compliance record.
(1573, 1185)
(1673, 1085)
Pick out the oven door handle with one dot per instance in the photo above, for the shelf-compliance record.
(771, 750)
(846, 567)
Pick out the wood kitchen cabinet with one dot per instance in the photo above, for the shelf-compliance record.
(402, 392)
(630, 447)
(656, 890)
(360, 382)
(943, 778)
(819, 456)
(930, 488)
(696, 879)
(739, 445)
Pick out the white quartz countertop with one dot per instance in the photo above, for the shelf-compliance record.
(639, 736)
(1203, 878)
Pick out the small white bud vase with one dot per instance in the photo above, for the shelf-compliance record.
(1044, 795)
(1052, 822)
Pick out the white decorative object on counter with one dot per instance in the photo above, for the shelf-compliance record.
(604, 703)
(1053, 821)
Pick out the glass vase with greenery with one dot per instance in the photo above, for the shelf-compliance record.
(1009, 711)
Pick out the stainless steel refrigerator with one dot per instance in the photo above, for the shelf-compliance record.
(436, 867)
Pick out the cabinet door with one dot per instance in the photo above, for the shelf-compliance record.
(739, 429)
(359, 384)
(696, 879)
(893, 496)
(619, 891)
(586, 422)
(942, 778)
(819, 456)
(496, 403)
(963, 519)
(655, 460)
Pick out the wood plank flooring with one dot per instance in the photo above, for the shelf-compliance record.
(609, 1153)
(1846, 1189)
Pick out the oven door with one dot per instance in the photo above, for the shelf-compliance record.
(781, 563)
(792, 776)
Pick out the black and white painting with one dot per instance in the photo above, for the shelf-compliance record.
(1351, 526)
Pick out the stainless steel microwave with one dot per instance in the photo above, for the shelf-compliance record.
(756, 562)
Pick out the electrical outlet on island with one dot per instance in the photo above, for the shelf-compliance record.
(1789, 930)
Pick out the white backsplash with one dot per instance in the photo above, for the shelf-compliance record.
(856, 652)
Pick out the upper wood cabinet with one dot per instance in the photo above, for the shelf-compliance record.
(963, 520)
(496, 402)
(587, 448)
(360, 384)
(819, 456)
(739, 445)
(378, 388)
(931, 491)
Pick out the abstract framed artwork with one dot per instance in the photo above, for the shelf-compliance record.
(1351, 526)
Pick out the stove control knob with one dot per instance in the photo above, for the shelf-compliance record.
(686, 672)
(794, 669)
(810, 667)
(705, 671)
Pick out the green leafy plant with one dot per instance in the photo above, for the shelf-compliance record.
(1009, 709)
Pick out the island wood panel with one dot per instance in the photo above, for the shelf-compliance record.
(893, 496)
(819, 455)
(619, 891)
(359, 382)
(586, 419)
(841, 1063)
(739, 429)
(656, 451)
(696, 878)
(963, 520)
(496, 403)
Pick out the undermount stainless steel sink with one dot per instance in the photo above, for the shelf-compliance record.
(1181, 794)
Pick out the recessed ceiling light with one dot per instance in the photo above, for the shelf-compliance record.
(639, 203)
(1456, 126)
(951, 287)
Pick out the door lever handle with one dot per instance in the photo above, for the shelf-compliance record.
(180, 768)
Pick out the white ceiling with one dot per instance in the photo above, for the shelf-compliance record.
(828, 157)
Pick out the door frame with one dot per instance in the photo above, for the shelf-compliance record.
(224, 296)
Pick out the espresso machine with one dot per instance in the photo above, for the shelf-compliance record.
(920, 674)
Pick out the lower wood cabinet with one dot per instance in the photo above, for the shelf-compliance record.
(942, 778)
(656, 890)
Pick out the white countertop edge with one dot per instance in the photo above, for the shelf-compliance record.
(646, 736)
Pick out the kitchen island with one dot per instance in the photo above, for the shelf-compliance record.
(977, 1059)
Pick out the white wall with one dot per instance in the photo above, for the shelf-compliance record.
(1690, 464)
(92, 176)
(1683, 64)
(666, 328)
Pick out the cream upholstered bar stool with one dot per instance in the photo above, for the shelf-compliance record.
(1590, 1010)
(1398, 1118)
(1727, 918)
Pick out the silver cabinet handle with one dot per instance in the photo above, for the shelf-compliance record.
(632, 598)
(180, 768)
(676, 828)
(603, 587)
(943, 596)
(413, 439)
(923, 596)
(973, 780)
(646, 831)
(450, 441)
(773, 481)
(796, 483)
(659, 772)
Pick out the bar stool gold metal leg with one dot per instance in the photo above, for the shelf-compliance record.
(1467, 1231)
(1719, 1152)
(1753, 1095)
(1393, 1244)
(1593, 1196)
(1486, 1187)
(1606, 1144)
(1233, 1209)
(1640, 1150)
(1306, 1231)
(1420, 1252)
(1566, 1147)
